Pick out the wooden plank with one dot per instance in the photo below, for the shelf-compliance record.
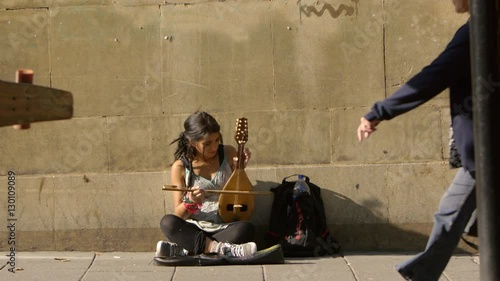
(22, 103)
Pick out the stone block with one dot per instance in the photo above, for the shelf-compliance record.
(112, 63)
(327, 56)
(282, 137)
(89, 211)
(38, 4)
(31, 205)
(35, 203)
(224, 64)
(414, 191)
(108, 201)
(416, 33)
(384, 236)
(140, 2)
(277, 137)
(25, 44)
(102, 96)
(169, 129)
(76, 145)
(23, 4)
(36, 240)
(412, 137)
(142, 143)
(109, 239)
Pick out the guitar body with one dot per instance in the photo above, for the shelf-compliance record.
(235, 207)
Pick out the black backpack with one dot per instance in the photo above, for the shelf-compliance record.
(300, 225)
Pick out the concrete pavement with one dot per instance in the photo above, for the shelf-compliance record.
(128, 266)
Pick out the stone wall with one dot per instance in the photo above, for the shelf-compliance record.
(302, 72)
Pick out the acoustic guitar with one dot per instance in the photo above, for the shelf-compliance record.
(234, 206)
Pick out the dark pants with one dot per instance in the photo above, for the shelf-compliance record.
(188, 236)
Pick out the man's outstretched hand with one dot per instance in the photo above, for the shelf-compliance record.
(366, 128)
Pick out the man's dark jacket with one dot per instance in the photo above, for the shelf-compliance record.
(451, 69)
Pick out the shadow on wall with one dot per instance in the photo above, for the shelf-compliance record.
(368, 232)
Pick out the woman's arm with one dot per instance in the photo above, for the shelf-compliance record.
(177, 178)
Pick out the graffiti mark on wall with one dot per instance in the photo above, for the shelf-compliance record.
(309, 10)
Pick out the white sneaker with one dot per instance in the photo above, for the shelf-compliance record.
(237, 250)
(165, 249)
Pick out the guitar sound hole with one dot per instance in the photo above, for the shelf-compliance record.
(230, 207)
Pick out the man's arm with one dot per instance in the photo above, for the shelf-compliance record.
(444, 71)
(448, 68)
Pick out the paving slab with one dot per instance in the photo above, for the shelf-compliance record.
(462, 268)
(326, 268)
(120, 266)
(380, 266)
(217, 273)
(36, 266)
(376, 266)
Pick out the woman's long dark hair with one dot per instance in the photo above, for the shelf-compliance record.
(197, 126)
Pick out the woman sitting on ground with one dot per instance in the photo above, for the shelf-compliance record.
(202, 162)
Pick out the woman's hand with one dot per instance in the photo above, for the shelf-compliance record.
(248, 154)
(197, 195)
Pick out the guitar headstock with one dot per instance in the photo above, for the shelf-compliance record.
(241, 135)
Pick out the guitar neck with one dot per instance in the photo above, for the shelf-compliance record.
(241, 137)
(241, 156)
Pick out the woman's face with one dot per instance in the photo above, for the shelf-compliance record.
(208, 145)
(461, 6)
